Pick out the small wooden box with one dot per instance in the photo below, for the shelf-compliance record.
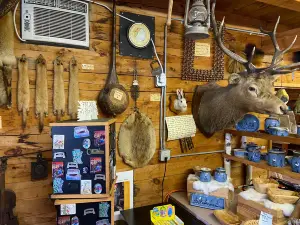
(73, 134)
(250, 210)
(91, 205)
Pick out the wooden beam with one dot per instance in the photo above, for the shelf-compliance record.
(284, 40)
(293, 5)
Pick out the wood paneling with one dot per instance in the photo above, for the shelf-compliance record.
(287, 4)
(33, 204)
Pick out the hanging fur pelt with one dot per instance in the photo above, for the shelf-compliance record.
(59, 92)
(7, 56)
(41, 91)
(23, 89)
(7, 76)
(73, 89)
(137, 140)
(3, 95)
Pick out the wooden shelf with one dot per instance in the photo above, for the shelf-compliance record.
(78, 196)
(292, 138)
(264, 165)
(77, 201)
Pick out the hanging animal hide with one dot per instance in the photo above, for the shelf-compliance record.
(41, 91)
(7, 76)
(137, 140)
(73, 89)
(7, 57)
(23, 89)
(3, 95)
(59, 92)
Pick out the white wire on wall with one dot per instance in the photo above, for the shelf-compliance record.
(17, 33)
(96, 3)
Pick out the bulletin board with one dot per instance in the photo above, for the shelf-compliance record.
(80, 159)
(96, 213)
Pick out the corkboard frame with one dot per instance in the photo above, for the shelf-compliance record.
(188, 70)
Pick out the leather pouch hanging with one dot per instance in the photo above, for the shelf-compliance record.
(39, 169)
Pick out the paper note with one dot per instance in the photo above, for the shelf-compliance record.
(87, 110)
(180, 127)
(155, 97)
(265, 219)
(118, 95)
(202, 49)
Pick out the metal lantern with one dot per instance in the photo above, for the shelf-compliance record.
(197, 19)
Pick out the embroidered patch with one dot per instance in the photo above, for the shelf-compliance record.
(103, 209)
(77, 154)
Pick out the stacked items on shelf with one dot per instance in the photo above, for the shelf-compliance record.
(277, 126)
(209, 192)
(267, 197)
(83, 171)
(275, 157)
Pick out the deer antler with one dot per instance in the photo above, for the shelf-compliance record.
(278, 53)
(217, 32)
(273, 68)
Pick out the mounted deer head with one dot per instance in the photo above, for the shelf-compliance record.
(216, 108)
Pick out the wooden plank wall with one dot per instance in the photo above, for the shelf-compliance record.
(33, 204)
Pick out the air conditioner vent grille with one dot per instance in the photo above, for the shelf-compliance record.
(59, 24)
(73, 6)
(50, 3)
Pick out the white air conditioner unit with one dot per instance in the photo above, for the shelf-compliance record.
(57, 22)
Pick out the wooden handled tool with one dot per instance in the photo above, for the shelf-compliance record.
(170, 8)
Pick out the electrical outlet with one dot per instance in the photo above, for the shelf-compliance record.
(161, 80)
(166, 153)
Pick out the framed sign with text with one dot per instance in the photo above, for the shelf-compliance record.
(194, 49)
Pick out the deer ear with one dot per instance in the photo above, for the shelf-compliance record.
(234, 78)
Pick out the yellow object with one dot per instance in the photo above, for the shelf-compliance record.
(226, 217)
(164, 215)
(283, 95)
(282, 196)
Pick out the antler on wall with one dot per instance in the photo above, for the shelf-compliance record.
(216, 108)
(273, 68)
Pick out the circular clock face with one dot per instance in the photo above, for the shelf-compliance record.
(139, 35)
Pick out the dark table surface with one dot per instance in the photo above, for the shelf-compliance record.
(141, 215)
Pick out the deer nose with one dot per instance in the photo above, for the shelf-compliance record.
(283, 109)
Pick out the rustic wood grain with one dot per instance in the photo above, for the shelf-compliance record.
(33, 204)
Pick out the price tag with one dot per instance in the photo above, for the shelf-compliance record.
(118, 95)
(265, 219)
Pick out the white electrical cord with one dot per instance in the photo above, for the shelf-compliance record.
(96, 3)
(154, 49)
(17, 33)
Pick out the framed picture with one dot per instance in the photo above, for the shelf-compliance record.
(197, 53)
(124, 192)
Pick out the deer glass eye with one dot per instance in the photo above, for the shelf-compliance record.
(252, 89)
